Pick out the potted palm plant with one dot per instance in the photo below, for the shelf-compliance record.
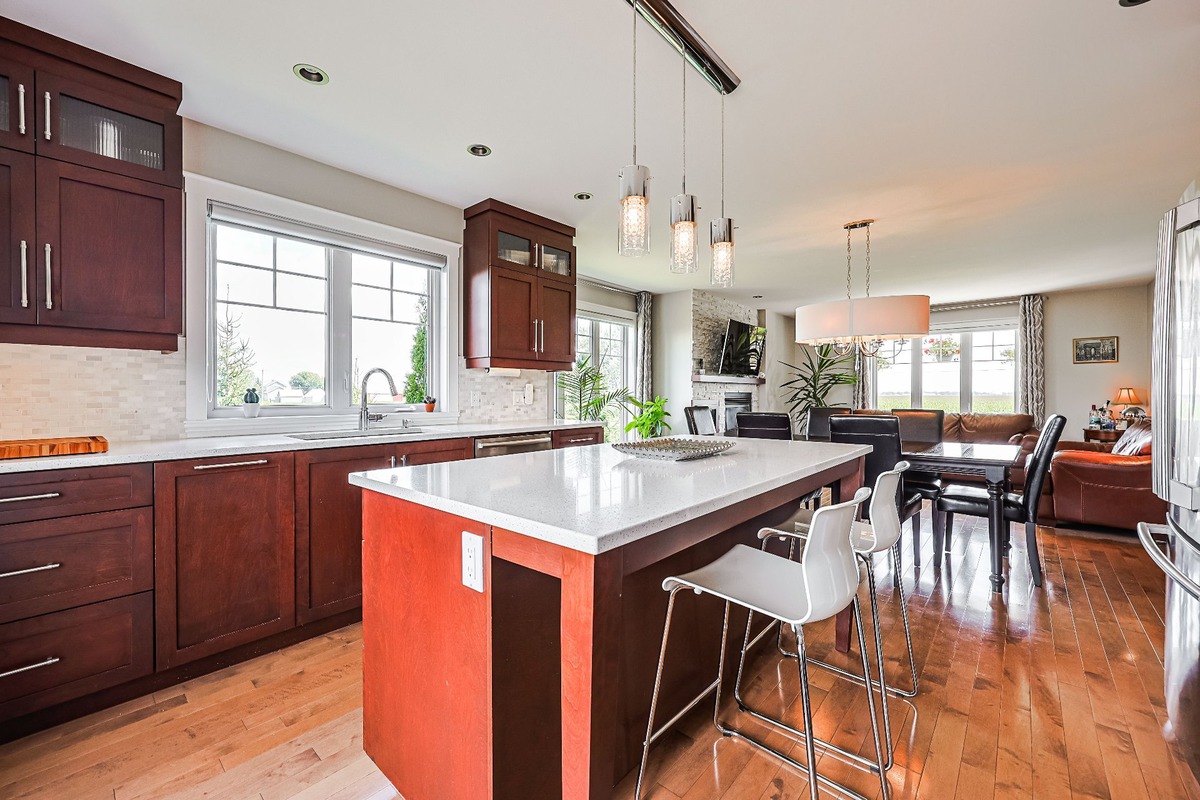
(586, 394)
(823, 370)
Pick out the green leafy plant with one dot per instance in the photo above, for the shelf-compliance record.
(586, 394)
(414, 382)
(822, 371)
(651, 420)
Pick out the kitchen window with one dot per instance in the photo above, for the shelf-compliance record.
(966, 370)
(608, 343)
(301, 313)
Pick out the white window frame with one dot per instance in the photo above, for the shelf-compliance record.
(204, 419)
(601, 313)
(965, 390)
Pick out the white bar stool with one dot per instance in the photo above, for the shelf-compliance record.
(880, 535)
(822, 584)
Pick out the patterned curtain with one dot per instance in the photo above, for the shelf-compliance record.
(643, 388)
(1031, 358)
(862, 389)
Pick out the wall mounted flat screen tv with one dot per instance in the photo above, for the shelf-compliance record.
(742, 351)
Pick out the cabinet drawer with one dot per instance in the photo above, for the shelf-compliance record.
(60, 656)
(29, 496)
(578, 438)
(54, 564)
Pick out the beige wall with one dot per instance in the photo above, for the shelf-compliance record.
(1072, 388)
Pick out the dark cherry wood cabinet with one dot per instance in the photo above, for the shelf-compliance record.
(519, 289)
(110, 257)
(329, 518)
(71, 653)
(224, 554)
(103, 266)
(18, 293)
(577, 437)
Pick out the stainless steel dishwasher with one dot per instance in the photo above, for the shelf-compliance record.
(507, 445)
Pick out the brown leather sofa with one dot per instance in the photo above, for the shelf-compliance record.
(991, 428)
(1112, 489)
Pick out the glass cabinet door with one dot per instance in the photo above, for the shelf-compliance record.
(514, 244)
(96, 128)
(556, 260)
(16, 105)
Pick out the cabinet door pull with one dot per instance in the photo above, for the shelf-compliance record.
(47, 496)
(16, 572)
(535, 336)
(393, 462)
(253, 463)
(404, 460)
(26, 668)
(21, 108)
(47, 116)
(49, 291)
(24, 274)
(542, 325)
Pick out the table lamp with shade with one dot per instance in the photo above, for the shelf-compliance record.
(1125, 398)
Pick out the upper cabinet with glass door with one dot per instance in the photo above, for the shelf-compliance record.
(91, 110)
(517, 239)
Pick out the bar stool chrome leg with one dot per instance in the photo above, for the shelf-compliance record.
(662, 656)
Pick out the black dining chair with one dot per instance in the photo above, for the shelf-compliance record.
(924, 425)
(818, 421)
(1023, 507)
(882, 433)
(764, 425)
(701, 420)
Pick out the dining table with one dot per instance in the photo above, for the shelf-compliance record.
(991, 461)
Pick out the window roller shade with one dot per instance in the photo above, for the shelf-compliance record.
(325, 237)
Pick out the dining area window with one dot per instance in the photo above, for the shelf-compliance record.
(955, 371)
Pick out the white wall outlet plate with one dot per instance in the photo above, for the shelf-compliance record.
(529, 394)
(472, 561)
(518, 398)
(476, 399)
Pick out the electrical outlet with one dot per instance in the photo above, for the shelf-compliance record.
(472, 561)
(528, 394)
(476, 399)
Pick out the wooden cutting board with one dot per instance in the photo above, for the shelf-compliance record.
(70, 446)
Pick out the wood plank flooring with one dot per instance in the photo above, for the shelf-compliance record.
(1056, 693)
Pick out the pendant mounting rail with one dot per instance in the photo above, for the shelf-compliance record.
(680, 34)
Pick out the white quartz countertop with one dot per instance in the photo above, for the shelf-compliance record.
(593, 498)
(210, 446)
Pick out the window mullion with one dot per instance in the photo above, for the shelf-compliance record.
(966, 364)
(916, 394)
(339, 336)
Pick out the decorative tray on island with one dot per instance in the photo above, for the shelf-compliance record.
(673, 449)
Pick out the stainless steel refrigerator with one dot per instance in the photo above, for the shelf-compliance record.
(1174, 543)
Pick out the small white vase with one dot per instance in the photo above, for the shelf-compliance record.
(250, 410)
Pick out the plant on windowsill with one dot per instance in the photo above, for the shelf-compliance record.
(430, 403)
(586, 394)
(651, 420)
(942, 348)
(822, 371)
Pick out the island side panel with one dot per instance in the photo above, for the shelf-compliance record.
(426, 652)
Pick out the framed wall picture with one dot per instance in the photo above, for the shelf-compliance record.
(1095, 350)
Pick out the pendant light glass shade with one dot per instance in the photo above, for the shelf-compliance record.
(683, 233)
(633, 220)
(721, 238)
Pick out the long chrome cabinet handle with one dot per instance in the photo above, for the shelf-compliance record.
(511, 442)
(47, 116)
(16, 572)
(46, 496)
(21, 108)
(232, 464)
(24, 274)
(535, 336)
(49, 286)
(542, 325)
(26, 668)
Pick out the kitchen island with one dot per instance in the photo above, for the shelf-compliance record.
(525, 671)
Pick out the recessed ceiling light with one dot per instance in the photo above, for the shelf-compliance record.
(583, 195)
(481, 150)
(310, 74)
(756, 296)
(1131, 3)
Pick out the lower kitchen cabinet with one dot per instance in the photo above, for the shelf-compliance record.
(329, 518)
(56, 657)
(224, 554)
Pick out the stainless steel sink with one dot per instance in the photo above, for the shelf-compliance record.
(312, 437)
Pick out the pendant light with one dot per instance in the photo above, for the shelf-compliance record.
(863, 323)
(633, 222)
(683, 208)
(721, 230)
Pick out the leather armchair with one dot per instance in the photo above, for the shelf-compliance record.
(1112, 489)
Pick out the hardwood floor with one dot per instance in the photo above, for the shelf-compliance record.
(1055, 694)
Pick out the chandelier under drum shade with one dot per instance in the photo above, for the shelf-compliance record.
(862, 323)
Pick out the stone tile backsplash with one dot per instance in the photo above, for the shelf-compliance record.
(123, 395)
(496, 396)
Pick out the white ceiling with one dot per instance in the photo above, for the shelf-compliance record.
(1004, 147)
